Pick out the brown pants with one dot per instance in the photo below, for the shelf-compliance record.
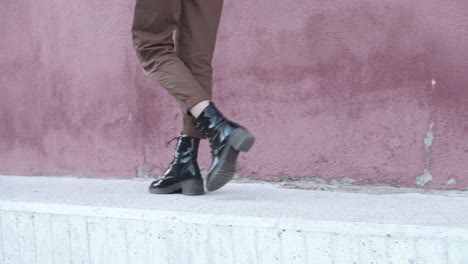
(183, 68)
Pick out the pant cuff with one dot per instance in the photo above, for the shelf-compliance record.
(192, 132)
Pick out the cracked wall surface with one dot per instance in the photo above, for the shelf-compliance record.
(371, 91)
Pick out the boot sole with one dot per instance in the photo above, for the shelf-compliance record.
(188, 187)
(239, 140)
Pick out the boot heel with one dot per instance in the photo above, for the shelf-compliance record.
(193, 187)
(241, 139)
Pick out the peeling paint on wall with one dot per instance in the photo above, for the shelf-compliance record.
(428, 140)
(452, 181)
(143, 171)
(343, 181)
(424, 178)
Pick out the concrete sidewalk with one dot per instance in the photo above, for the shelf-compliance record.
(78, 220)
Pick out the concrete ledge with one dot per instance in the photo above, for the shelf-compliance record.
(73, 220)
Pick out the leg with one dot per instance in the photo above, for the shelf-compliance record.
(153, 26)
(195, 44)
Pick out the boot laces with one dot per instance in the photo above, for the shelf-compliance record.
(170, 141)
(167, 145)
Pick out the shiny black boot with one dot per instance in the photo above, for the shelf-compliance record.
(183, 175)
(227, 139)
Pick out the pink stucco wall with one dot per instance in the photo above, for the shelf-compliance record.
(332, 89)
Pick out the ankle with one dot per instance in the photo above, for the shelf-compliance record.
(197, 109)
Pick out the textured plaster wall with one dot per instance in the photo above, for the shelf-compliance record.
(370, 92)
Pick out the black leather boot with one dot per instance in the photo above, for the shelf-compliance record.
(227, 139)
(183, 174)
